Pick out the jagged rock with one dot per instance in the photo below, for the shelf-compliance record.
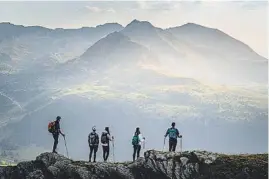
(154, 165)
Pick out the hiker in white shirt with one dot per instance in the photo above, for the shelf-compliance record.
(105, 138)
(137, 141)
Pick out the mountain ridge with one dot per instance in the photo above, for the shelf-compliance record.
(135, 21)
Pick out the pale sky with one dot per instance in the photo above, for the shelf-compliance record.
(246, 21)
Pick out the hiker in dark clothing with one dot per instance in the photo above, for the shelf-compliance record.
(56, 132)
(137, 141)
(93, 140)
(173, 135)
(105, 138)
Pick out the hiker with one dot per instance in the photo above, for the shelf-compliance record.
(54, 128)
(173, 135)
(105, 138)
(93, 140)
(137, 141)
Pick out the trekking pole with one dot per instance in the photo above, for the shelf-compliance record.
(113, 151)
(66, 147)
(181, 144)
(163, 144)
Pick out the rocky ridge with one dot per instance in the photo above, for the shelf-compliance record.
(154, 165)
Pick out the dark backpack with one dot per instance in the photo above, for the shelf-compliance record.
(135, 140)
(93, 139)
(104, 138)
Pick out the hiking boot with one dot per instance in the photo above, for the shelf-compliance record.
(55, 152)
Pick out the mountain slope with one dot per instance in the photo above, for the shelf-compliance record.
(155, 39)
(213, 40)
(226, 55)
(38, 47)
(141, 76)
(116, 49)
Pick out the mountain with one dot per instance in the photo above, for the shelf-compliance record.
(138, 75)
(39, 48)
(155, 39)
(225, 54)
(115, 49)
(8, 30)
(214, 40)
(191, 48)
(155, 164)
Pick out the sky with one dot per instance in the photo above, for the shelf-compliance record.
(246, 21)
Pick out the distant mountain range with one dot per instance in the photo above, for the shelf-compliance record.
(136, 75)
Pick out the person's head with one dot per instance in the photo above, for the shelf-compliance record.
(93, 128)
(173, 124)
(58, 118)
(107, 129)
(137, 131)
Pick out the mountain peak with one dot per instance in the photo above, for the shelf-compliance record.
(110, 24)
(137, 23)
(193, 26)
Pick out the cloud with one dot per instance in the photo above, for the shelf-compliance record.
(253, 5)
(157, 5)
(95, 9)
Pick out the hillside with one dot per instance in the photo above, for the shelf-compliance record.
(137, 75)
(155, 165)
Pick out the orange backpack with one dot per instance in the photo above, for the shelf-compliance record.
(51, 127)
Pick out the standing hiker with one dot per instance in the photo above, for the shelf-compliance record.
(54, 128)
(105, 138)
(137, 141)
(93, 140)
(173, 135)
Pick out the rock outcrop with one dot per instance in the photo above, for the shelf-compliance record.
(154, 165)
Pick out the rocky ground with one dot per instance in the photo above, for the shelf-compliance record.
(154, 165)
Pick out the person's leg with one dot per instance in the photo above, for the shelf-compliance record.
(104, 152)
(55, 137)
(107, 153)
(138, 151)
(90, 156)
(170, 145)
(94, 155)
(174, 146)
(135, 149)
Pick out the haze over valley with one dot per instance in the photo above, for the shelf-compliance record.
(211, 84)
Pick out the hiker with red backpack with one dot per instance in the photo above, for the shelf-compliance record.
(105, 138)
(137, 141)
(54, 128)
(93, 140)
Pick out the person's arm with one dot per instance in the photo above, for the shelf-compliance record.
(61, 133)
(179, 136)
(97, 136)
(167, 132)
(141, 138)
(109, 137)
(59, 129)
(177, 133)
